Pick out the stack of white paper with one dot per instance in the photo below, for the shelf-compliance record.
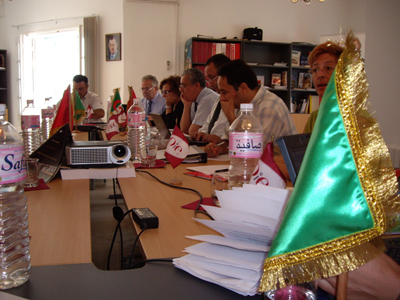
(248, 219)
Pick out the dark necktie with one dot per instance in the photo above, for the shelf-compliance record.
(214, 117)
(149, 108)
(195, 107)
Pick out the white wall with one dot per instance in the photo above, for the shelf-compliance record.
(383, 64)
(155, 33)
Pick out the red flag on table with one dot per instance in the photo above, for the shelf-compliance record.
(267, 171)
(132, 96)
(64, 113)
(118, 116)
(177, 148)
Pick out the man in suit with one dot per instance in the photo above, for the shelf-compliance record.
(114, 54)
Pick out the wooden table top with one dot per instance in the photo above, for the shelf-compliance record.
(165, 202)
(59, 223)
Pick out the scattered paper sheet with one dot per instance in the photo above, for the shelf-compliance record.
(223, 241)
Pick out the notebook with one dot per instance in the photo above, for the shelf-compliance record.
(293, 148)
(165, 133)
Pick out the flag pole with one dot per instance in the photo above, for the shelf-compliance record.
(341, 292)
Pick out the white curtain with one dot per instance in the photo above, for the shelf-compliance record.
(91, 53)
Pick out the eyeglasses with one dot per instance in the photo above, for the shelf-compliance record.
(185, 85)
(147, 89)
(211, 79)
(166, 92)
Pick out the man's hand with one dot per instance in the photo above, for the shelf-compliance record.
(228, 108)
(377, 279)
(213, 151)
(199, 136)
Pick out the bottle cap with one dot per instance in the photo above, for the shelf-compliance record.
(30, 101)
(2, 109)
(246, 106)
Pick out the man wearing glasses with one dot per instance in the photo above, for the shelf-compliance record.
(153, 101)
(197, 100)
(215, 128)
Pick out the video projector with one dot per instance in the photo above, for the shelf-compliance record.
(97, 154)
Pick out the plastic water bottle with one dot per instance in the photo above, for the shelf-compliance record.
(136, 129)
(30, 125)
(14, 234)
(47, 119)
(245, 146)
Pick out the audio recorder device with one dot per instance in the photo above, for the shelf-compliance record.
(97, 154)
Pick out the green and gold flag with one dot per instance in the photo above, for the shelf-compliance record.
(345, 191)
(79, 109)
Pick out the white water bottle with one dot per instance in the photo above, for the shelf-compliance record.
(47, 119)
(245, 146)
(30, 125)
(14, 234)
(136, 129)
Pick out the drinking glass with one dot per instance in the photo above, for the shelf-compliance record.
(219, 182)
(32, 172)
(304, 291)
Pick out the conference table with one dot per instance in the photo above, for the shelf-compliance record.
(175, 222)
(59, 223)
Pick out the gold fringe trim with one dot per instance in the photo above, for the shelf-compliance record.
(377, 178)
(279, 274)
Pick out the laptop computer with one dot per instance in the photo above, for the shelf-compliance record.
(166, 134)
(293, 148)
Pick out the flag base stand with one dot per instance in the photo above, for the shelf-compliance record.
(175, 182)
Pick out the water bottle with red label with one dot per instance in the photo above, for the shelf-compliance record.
(30, 125)
(14, 234)
(245, 146)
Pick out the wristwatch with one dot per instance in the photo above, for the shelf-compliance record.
(166, 107)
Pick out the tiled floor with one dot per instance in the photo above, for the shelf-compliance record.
(103, 226)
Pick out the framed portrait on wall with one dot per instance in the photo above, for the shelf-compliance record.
(113, 47)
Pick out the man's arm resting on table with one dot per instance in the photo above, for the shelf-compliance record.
(97, 113)
(377, 279)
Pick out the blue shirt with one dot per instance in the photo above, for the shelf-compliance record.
(157, 104)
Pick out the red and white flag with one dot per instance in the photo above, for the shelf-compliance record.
(177, 148)
(267, 171)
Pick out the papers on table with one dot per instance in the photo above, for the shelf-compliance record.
(248, 220)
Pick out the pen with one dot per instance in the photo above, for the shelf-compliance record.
(219, 144)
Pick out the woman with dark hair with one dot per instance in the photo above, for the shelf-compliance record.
(174, 107)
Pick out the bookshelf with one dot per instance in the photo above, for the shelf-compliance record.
(269, 60)
(3, 77)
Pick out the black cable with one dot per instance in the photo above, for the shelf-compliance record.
(134, 244)
(151, 260)
(113, 239)
(197, 210)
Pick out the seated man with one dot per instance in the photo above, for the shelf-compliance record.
(153, 101)
(91, 101)
(215, 128)
(238, 84)
(197, 100)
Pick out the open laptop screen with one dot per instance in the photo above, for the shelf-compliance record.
(293, 148)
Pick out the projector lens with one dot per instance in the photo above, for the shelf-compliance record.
(119, 151)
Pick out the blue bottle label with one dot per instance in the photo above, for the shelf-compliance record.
(12, 165)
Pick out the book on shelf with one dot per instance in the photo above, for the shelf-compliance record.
(304, 81)
(293, 82)
(284, 78)
(234, 259)
(275, 79)
(260, 80)
(296, 58)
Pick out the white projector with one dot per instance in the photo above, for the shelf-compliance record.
(97, 153)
